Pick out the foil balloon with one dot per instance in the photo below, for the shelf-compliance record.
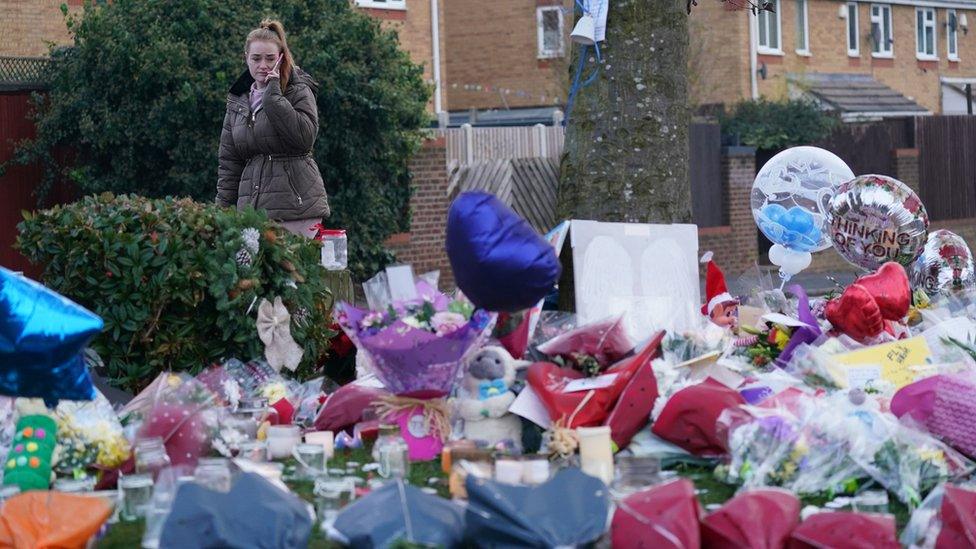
(499, 261)
(945, 265)
(789, 202)
(875, 219)
(42, 337)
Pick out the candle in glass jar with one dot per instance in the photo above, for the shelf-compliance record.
(281, 440)
(535, 471)
(324, 438)
(508, 471)
(596, 452)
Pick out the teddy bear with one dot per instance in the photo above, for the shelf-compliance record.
(484, 397)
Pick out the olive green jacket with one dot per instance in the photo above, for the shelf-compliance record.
(265, 156)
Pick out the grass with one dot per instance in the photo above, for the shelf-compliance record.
(709, 490)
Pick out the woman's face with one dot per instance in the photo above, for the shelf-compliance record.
(261, 57)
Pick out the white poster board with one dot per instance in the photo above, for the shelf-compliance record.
(649, 273)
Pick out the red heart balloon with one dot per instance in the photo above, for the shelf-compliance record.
(856, 313)
(889, 287)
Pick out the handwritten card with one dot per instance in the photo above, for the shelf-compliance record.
(589, 383)
(528, 405)
(898, 360)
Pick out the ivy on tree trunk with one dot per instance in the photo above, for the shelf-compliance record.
(626, 151)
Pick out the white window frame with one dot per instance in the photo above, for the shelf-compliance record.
(886, 33)
(383, 4)
(952, 36)
(540, 33)
(920, 16)
(854, 51)
(769, 16)
(801, 8)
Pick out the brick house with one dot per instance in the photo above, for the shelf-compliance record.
(904, 56)
(29, 25)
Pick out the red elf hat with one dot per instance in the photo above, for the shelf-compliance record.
(716, 292)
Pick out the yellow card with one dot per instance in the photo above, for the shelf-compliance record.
(750, 316)
(899, 361)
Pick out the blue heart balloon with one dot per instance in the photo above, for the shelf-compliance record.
(42, 338)
(499, 261)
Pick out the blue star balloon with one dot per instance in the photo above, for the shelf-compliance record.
(499, 261)
(42, 338)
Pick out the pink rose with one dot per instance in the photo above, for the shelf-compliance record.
(447, 322)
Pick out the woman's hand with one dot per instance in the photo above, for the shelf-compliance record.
(274, 70)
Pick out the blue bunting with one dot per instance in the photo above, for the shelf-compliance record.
(499, 261)
(42, 338)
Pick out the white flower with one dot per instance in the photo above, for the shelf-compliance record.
(412, 322)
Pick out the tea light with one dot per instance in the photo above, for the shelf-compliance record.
(508, 471)
(596, 452)
(535, 471)
(281, 440)
(325, 438)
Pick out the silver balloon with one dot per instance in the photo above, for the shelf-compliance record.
(946, 265)
(875, 219)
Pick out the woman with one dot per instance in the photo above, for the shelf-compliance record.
(265, 156)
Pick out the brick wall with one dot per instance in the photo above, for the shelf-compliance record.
(918, 80)
(423, 247)
(735, 245)
(718, 69)
(495, 45)
(27, 26)
(413, 27)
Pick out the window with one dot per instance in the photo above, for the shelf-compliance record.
(881, 38)
(769, 28)
(550, 26)
(383, 4)
(852, 46)
(925, 33)
(802, 31)
(952, 44)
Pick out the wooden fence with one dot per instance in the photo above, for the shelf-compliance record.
(947, 166)
(470, 145)
(869, 147)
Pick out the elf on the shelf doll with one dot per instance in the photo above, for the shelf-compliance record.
(720, 307)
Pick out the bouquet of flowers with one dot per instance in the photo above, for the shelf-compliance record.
(416, 348)
(90, 435)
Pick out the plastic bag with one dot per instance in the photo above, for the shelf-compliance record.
(571, 509)
(51, 519)
(925, 523)
(758, 519)
(184, 413)
(661, 516)
(400, 512)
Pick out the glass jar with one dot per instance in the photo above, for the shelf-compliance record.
(74, 485)
(151, 456)
(391, 452)
(331, 495)
(213, 473)
(634, 474)
(135, 492)
(257, 410)
(334, 245)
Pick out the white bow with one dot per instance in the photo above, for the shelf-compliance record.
(274, 329)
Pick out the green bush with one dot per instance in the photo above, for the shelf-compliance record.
(175, 283)
(773, 125)
(139, 98)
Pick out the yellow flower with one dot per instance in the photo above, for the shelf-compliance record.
(782, 338)
(173, 380)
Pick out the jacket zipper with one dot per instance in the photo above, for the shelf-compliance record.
(290, 185)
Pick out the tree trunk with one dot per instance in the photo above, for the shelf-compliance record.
(626, 151)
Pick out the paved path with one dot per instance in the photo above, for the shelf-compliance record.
(814, 283)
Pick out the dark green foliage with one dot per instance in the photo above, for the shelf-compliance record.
(174, 283)
(140, 97)
(774, 125)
